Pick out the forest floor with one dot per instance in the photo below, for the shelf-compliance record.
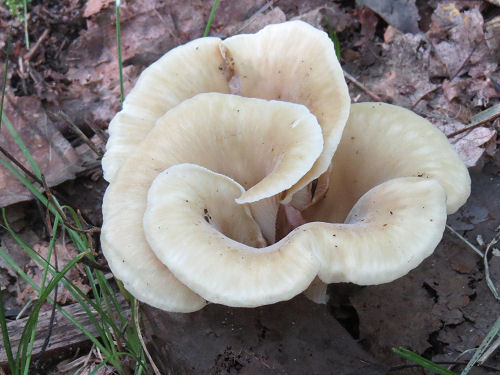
(438, 58)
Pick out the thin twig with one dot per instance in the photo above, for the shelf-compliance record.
(267, 5)
(97, 130)
(473, 126)
(79, 133)
(20, 166)
(479, 252)
(48, 193)
(464, 62)
(424, 96)
(141, 339)
(94, 265)
(479, 119)
(362, 87)
(34, 49)
(51, 200)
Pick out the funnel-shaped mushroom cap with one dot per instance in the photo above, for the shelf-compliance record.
(295, 62)
(383, 141)
(180, 74)
(389, 231)
(190, 228)
(291, 61)
(266, 146)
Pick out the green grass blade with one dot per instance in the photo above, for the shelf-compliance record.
(31, 324)
(336, 44)
(29, 350)
(211, 17)
(21, 273)
(483, 347)
(76, 292)
(21, 146)
(333, 36)
(50, 249)
(6, 68)
(26, 36)
(119, 48)
(25, 181)
(5, 336)
(425, 363)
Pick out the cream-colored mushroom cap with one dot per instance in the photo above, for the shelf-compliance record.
(295, 62)
(191, 222)
(389, 231)
(384, 141)
(291, 62)
(266, 146)
(180, 74)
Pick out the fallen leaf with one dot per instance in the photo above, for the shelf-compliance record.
(491, 34)
(95, 6)
(148, 30)
(405, 73)
(257, 22)
(338, 18)
(471, 145)
(402, 14)
(54, 155)
(464, 29)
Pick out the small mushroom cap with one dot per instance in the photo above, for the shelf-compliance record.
(265, 145)
(191, 230)
(180, 74)
(295, 62)
(390, 230)
(384, 141)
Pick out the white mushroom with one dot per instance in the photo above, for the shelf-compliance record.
(383, 141)
(266, 146)
(292, 61)
(180, 74)
(197, 178)
(195, 230)
(295, 62)
(388, 232)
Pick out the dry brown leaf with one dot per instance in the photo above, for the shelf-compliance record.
(148, 30)
(470, 145)
(458, 38)
(257, 21)
(405, 74)
(402, 14)
(95, 6)
(337, 17)
(65, 253)
(51, 151)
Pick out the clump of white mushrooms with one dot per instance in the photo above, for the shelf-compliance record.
(219, 138)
